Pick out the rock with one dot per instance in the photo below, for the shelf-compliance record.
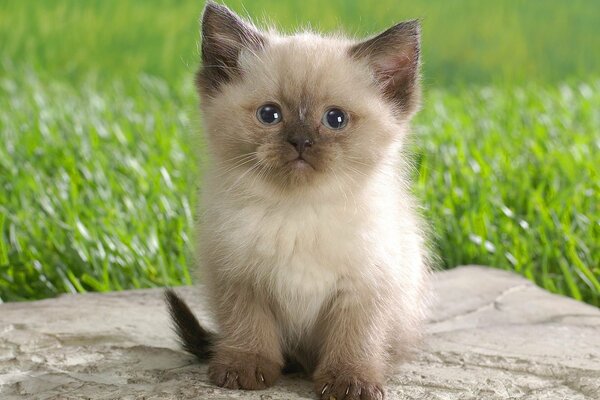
(492, 335)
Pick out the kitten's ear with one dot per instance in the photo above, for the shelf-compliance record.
(394, 59)
(224, 36)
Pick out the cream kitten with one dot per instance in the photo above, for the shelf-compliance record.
(309, 243)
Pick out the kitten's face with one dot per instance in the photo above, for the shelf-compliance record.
(301, 110)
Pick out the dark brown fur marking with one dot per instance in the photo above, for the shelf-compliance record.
(193, 337)
(394, 56)
(224, 35)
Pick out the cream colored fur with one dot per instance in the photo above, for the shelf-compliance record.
(329, 265)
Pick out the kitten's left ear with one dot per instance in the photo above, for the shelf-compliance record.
(394, 59)
(224, 37)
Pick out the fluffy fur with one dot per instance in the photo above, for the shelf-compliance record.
(320, 260)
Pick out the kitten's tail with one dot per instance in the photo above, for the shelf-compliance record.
(193, 337)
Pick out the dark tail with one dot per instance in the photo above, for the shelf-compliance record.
(193, 337)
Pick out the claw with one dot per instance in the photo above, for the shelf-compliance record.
(347, 390)
(228, 374)
(262, 377)
(324, 388)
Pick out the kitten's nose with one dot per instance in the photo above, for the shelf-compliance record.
(300, 142)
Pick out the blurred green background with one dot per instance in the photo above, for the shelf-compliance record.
(98, 146)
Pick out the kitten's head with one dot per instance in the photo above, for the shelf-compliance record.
(301, 111)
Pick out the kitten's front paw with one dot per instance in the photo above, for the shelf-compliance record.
(237, 370)
(340, 386)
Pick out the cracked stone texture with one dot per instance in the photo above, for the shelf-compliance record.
(492, 335)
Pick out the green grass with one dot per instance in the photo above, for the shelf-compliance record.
(97, 186)
(98, 153)
(465, 41)
(510, 178)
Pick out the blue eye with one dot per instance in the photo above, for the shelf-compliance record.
(269, 114)
(334, 118)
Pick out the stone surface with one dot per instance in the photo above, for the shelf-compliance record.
(493, 335)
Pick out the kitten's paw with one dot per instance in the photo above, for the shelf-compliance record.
(237, 370)
(340, 386)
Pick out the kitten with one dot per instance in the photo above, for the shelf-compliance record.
(310, 247)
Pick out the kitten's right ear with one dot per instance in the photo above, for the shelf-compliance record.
(394, 59)
(224, 35)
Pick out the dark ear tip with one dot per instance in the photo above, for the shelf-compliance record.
(211, 5)
(213, 8)
(411, 27)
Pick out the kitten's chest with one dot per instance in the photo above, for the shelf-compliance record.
(299, 254)
(303, 240)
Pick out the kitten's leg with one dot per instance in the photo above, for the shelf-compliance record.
(248, 353)
(353, 355)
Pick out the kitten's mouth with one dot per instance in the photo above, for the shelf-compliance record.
(300, 163)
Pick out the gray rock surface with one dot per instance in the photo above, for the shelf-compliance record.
(492, 335)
